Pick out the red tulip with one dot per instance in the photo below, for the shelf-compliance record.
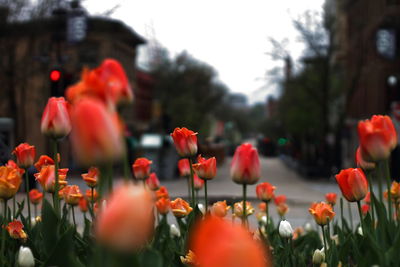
(361, 163)
(216, 243)
(83, 204)
(15, 230)
(367, 198)
(184, 167)
(162, 193)
(198, 183)
(25, 154)
(377, 137)
(163, 205)
(265, 191)
(55, 119)
(353, 184)
(107, 83)
(365, 209)
(96, 133)
(141, 168)
(35, 196)
(185, 142)
(279, 199)
(331, 198)
(91, 195)
(152, 182)
(47, 180)
(126, 223)
(245, 167)
(12, 164)
(206, 169)
(43, 161)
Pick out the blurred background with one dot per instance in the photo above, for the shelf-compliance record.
(292, 78)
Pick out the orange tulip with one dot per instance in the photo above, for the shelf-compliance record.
(83, 204)
(189, 259)
(265, 191)
(152, 182)
(220, 209)
(279, 199)
(322, 213)
(10, 180)
(162, 193)
(141, 168)
(46, 178)
(377, 137)
(263, 206)
(12, 164)
(43, 161)
(72, 194)
(331, 198)
(353, 184)
(15, 230)
(198, 183)
(107, 83)
(91, 177)
(363, 164)
(96, 133)
(217, 243)
(163, 205)
(238, 209)
(282, 209)
(180, 208)
(184, 167)
(25, 154)
(126, 223)
(35, 196)
(206, 169)
(91, 196)
(245, 167)
(185, 142)
(55, 119)
(395, 190)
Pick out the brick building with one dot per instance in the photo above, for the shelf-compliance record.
(29, 50)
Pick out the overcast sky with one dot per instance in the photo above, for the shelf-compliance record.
(232, 36)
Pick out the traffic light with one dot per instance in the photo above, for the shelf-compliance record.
(56, 81)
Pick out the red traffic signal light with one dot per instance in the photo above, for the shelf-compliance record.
(55, 75)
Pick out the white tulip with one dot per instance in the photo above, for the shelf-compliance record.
(285, 229)
(264, 220)
(308, 227)
(318, 256)
(174, 231)
(201, 208)
(360, 231)
(25, 257)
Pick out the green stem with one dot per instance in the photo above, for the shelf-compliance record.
(192, 183)
(73, 215)
(341, 212)
(350, 216)
(205, 195)
(244, 218)
(27, 197)
(379, 178)
(361, 217)
(388, 184)
(56, 200)
(325, 247)
(35, 210)
(267, 213)
(3, 235)
(371, 192)
(14, 207)
(92, 203)
(188, 184)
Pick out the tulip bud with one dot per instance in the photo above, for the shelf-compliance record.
(353, 184)
(360, 231)
(184, 167)
(55, 119)
(318, 256)
(245, 167)
(206, 168)
(141, 168)
(25, 257)
(285, 229)
(25, 154)
(174, 231)
(201, 208)
(308, 227)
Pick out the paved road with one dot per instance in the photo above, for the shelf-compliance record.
(300, 192)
